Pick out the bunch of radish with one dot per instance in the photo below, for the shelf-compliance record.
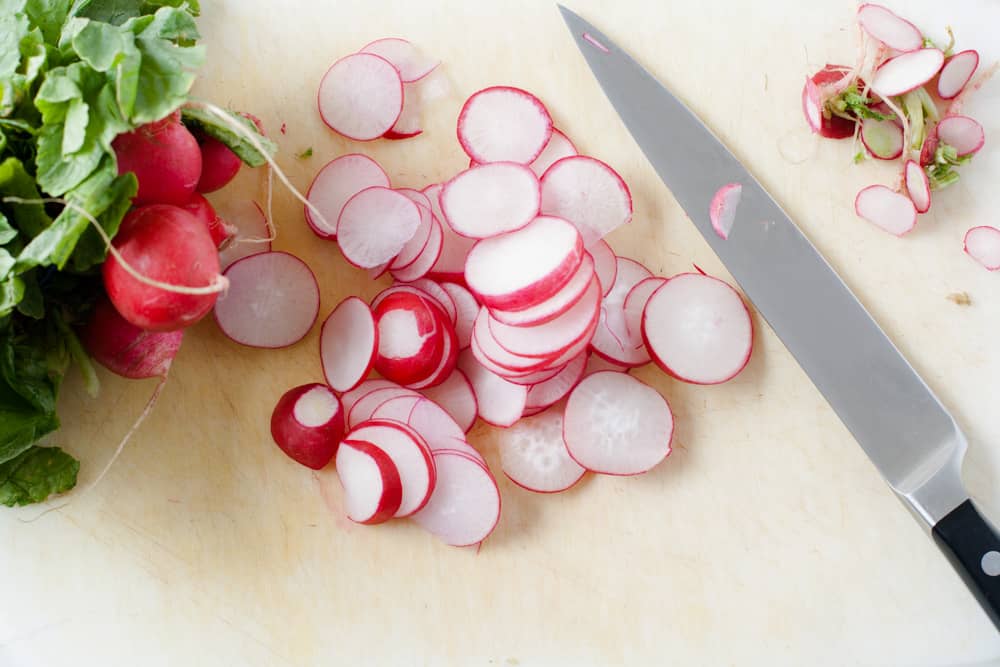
(904, 99)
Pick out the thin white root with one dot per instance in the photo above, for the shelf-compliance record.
(219, 283)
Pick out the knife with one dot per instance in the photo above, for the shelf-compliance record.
(911, 438)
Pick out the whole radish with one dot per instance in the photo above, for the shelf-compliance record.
(165, 158)
(219, 165)
(203, 210)
(125, 349)
(166, 244)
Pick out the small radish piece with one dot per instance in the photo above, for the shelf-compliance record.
(605, 264)
(906, 71)
(365, 406)
(504, 124)
(272, 301)
(886, 208)
(962, 133)
(373, 490)
(827, 125)
(361, 96)
(558, 147)
(347, 344)
(335, 184)
(882, 138)
(375, 225)
(698, 329)
(491, 199)
(553, 390)
(219, 165)
(125, 349)
(556, 305)
(588, 193)
(551, 338)
(548, 252)
(534, 456)
(165, 158)
(411, 251)
(405, 57)
(917, 186)
(722, 210)
(466, 309)
(428, 256)
(438, 295)
(889, 28)
(251, 233)
(409, 453)
(500, 402)
(956, 73)
(617, 425)
(307, 424)
(465, 506)
(613, 339)
(983, 245)
(456, 397)
(349, 398)
(409, 338)
(635, 304)
(205, 213)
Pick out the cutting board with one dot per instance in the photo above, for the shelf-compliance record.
(765, 538)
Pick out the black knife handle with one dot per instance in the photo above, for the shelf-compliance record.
(973, 547)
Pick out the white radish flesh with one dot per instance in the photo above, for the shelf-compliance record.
(962, 133)
(466, 309)
(456, 397)
(882, 138)
(252, 232)
(698, 329)
(886, 208)
(451, 262)
(361, 96)
(917, 185)
(349, 398)
(497, 358)
(553, 337)
(366, 405)
(889, 28)
(956, 73)
(272, 301)
(557, 304)
(983, 245)
(491, 199)
(372, 488)
(396, 409)
(410, 121)
(616, 425)
(613, 339)
(428, 256)
(416, 245)
(635, 304)
(558, 147)
(435, 425)
(588, 193)
(534, 456)
(907, 71)
(412, 64)
(465, 506)
(410, 455)
(375, 225)
(722, 210)
(335, 184)
(554, 389)
(347, 344)
(605, 264)
(504, 124)
(500, 402)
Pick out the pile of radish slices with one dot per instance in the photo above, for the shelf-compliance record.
(904, 99)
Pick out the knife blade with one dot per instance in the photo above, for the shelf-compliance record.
(901, 425)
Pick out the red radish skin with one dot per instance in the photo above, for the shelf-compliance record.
(165, 158)
(446, 359)
(335, 184)
(251, 232)
(466, 310)
(361, 96)
(558, 147)
(373, 490)
(588, 193)
(272, 301)
(906, 72)
(553, 390)
(428, 256)
(605, 264)
(533, 454)
(219, 165)
(491, 199)
(410, 455)
(825, 124)
(889, 28)
(962, 133)
(347, 344)
(882, 138)
(125, 349)
(465, 506)
(635, 303)
(617, 425)
(956, 72)
(375, 225)
(167, 244)
(722, 209)
(500, 402)
(307, 424)
(404, 56)
(886, 209)
(697, 329)
(983, 245)
(456, 397)
(409, 338)
(504, 124)
(558, 304)
(917, 186)
(203, 211)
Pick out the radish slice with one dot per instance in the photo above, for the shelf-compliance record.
(534, 456)
(409, 454)
(635, 304)
(416, 245)
(491, 199)
(435, 425)
(410, 338)
(882, 138)
(497, 358)
(812, 105)
(361, 96)
(555, 336)
(446, 361)
(907, 71)
(698, 329)
(886, 208)
(348, 399)
(597, 363)
(396, 409)
(252, 234)
(613, 339)
(890, 29)
(588, 193)
(417, 196)
(917, 186)
(466, 308)
(962, 133)
(465, 506)
(372, 488)
(500, 402)
(456, 397)
(557, 304)
(439, 296)
(347, 344)
(558, 147)
(983, 245)
(426, 259)
(605, 264)
(272, 301)
(956, 73)
(335, 184)
(375, 225)
(548, 251)
(365, 406)
(616, 425)
(451, 263)
(407, 58)
(722, 210)
(553, 390)
(504, 124)
(410, 122)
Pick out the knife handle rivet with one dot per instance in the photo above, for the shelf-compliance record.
(991, 563)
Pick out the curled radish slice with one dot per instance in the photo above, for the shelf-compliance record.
(491, 199)
(361, 96)
(466, 310)
(882, 138)
(588, 193)
(906, 71)
(983, 245)
(554, 389)
(465, 506)
(698, 329)
(558, 147)
(405, 57)
(635, 304)
(557, 304)
(956, 73)
(375, 225)
(272, 301)
(534, 456)
(962, 133)
(504, 124)
(886, 208)
(456, 397)
(616, 425)
(890, 29)
(409, 454)
(308, 424)
(335, 184)
(917, 186)
(722, 210)
(252, 232)
(372, 488)
(347, 344)
(500, 401)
